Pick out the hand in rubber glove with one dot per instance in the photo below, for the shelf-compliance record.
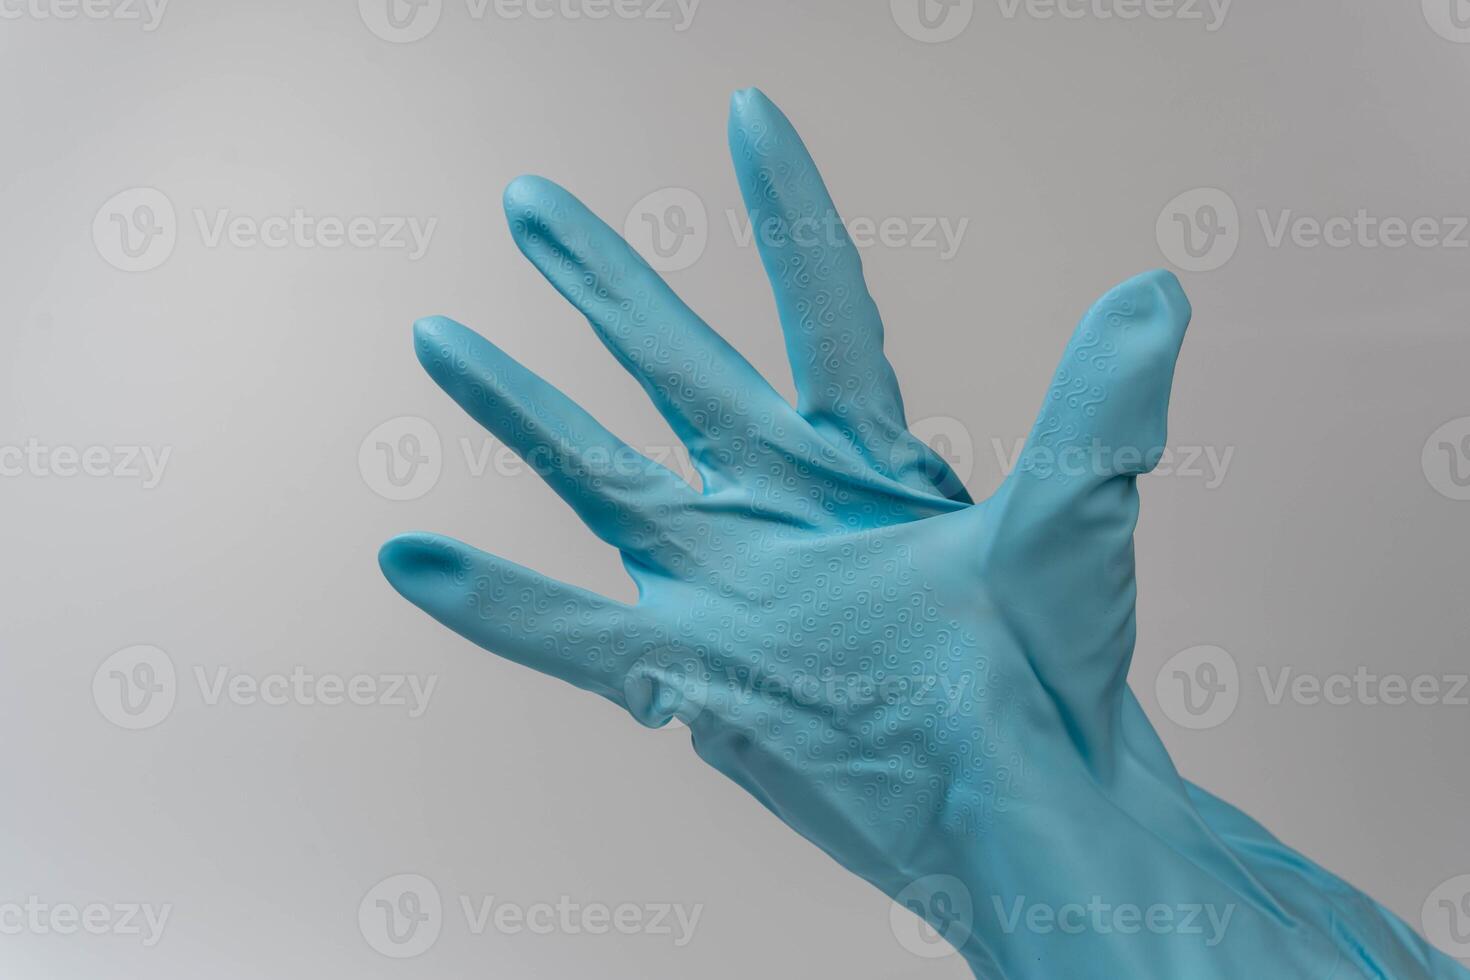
(933, 691)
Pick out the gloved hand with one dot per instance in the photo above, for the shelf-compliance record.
(932, 691)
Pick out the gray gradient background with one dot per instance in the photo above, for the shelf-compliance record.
(1325, 547)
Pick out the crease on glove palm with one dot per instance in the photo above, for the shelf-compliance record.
(931, 690)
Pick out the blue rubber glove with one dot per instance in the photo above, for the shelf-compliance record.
(932, 691)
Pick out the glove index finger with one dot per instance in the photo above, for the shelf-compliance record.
(711, 396)
(615, 489)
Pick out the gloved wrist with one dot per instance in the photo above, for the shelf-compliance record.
(1090, 892)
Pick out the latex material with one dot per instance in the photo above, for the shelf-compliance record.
(932, 691)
